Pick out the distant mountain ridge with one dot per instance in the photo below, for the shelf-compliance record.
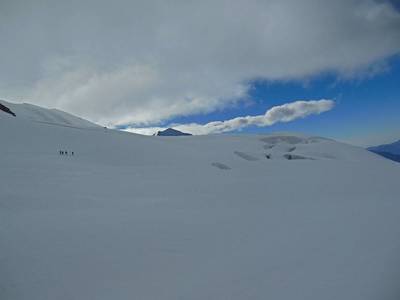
(171, 132)
(390, 151)
(391, 156)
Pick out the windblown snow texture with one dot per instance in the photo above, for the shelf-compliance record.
(205, 217)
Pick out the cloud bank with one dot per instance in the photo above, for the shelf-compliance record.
(282, 113)
(144, 62)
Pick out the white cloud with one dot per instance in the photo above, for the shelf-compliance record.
(143, 62)
(282, 113)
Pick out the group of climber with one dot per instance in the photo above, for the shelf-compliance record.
(64, 152)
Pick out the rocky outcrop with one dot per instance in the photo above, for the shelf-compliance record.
(171, 132)
(6, 109)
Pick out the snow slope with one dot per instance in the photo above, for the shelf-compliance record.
(35, 113)
(204, 217)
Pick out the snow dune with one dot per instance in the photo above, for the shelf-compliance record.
(205, 217)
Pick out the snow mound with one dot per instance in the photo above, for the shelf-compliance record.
(284, 139)
(284, 147)
(290, 139)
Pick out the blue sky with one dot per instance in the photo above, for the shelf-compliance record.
(367, 110)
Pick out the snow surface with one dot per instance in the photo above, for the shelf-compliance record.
(204, 217)
(35, 113)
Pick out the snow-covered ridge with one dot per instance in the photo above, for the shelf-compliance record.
(30, 112)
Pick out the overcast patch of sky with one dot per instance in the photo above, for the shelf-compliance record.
(146, 62)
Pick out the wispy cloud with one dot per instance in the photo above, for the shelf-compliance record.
(282, 113)
(146, 62)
